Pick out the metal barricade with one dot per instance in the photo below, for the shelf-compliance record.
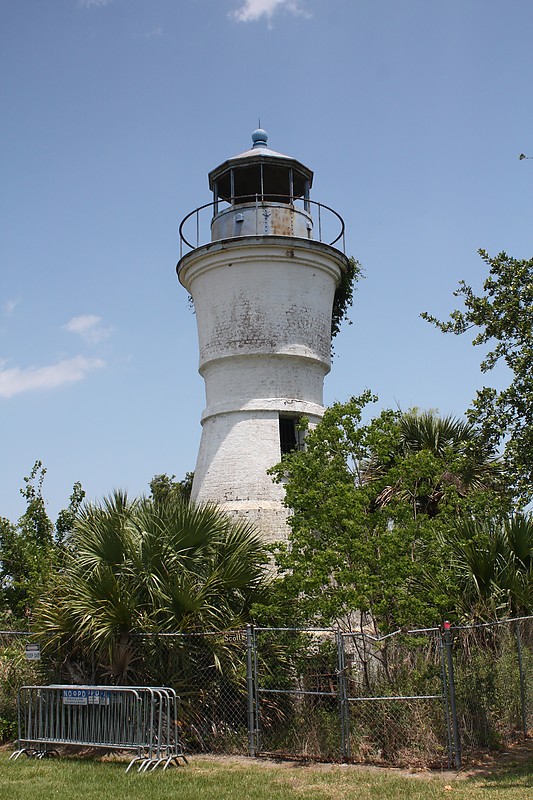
(142, 719)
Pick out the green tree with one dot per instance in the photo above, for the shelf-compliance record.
(369, 506)
(154, 566)
(163, 487)
(67, 517)
(31, 549)
(26, 550)
(503, 318)
(466, 462)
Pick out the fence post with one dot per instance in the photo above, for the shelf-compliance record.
(523, 703)
(445, 695)
(343, 698)
(451, 686)
(250, 689)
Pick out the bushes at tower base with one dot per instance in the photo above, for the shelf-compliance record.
(153, 566)
(374, 511)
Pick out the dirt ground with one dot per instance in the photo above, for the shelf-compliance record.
(519, 754)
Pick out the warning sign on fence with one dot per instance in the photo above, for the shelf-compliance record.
(86, 697)
(235, 636)
(33, 652)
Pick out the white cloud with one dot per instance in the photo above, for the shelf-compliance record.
(93, 3)
(253, 10)
(10, 306)
(89, 327)
(153, 33)
(16, 381)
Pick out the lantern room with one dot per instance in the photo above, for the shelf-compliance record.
(256, 193)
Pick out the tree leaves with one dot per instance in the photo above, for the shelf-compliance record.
(503, 317)
(369, 506)
(343, 298)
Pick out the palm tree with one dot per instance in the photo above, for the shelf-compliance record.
(151, 567)
(493, 561)
(517, 574)
(452, 447)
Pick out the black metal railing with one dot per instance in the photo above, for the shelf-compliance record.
(328, 225)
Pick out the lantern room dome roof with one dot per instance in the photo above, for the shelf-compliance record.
(259, 153)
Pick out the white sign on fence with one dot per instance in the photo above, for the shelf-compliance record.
(86, 697)
(33, 652)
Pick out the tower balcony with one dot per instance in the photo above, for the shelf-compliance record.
(261, 215)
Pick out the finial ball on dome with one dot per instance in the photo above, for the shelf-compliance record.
(259, 137)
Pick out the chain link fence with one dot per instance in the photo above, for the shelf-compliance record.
(297, 703)
(211, 674)
(423, 697)
(16, 670)
(396, 707)
(493, 676)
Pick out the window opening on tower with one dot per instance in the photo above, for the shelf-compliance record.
(290, 436)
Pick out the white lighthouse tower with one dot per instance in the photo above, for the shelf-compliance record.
(263, 287)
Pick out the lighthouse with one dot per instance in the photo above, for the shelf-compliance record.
(262, 262)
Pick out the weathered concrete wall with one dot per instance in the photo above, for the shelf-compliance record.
(236, 451)
(263, 308)
(250, 219)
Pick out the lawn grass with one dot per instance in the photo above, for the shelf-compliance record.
(207, 779)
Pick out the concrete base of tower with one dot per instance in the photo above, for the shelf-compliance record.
(237, 450)
(269, 518)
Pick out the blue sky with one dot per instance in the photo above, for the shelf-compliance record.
(412, 114)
